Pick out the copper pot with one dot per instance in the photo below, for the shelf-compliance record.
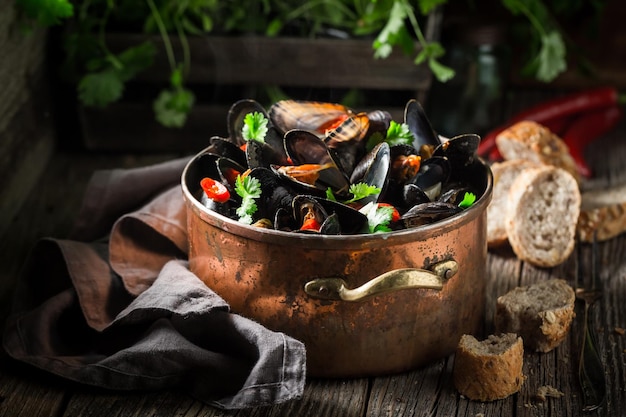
(364, 304)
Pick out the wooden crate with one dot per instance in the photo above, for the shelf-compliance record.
(244, 63)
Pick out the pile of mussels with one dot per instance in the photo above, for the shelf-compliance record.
(425, 181)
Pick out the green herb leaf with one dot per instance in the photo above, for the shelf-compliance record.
(249, 189)
(383, 44)
(46, 12)
(398, 133)
(330, 195)
(551, 58)
(426, 6)
(468, 200)
(378, 217)
(254, 127)
(361, 190)
(172, 106)
(98, 89)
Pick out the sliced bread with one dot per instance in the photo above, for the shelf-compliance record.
(491, 369)
(540, 313)
(602, 213)
(504, 174)
(534, 142)
(543, 209)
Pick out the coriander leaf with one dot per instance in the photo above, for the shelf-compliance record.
(172, 106)
(551, 58)
(468, 200)
(361, 190)
(254, 127)
(99, 89)
(442, 72)
(398, 133)
(249, 189)
(383, 44)
(46, 12)
(330, 195)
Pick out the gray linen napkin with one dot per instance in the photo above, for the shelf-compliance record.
(124, 312)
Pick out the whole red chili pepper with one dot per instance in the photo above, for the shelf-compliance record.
(556, 108)
(587, 128)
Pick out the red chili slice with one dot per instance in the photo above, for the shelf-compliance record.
(311, 224)
(215, 190)
(395, 215)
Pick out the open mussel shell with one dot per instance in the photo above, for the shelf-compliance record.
(419, 125)
(313, 116)
(461, 151)
(223, 147)
(275, 193)
(267, 153)
(236, 115)
(304, 148)
(227, 171)
(374, 170)
(334, 217)
(427, 213)
(433, 174)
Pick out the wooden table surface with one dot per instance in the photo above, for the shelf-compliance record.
(423, 392)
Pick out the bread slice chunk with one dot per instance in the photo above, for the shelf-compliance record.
(491, 369)
(543, 209)
(541, 313)
(602, 213)
(534, 142)
(504, 175)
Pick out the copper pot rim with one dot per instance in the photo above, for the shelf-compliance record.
(336, 241)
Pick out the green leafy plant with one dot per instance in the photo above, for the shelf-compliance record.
(101, 75)
(249, 189)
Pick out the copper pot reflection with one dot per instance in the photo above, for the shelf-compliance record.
(364, 304)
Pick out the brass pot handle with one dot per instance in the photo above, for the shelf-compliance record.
(398, 279)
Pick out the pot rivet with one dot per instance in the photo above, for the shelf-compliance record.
(448, 274)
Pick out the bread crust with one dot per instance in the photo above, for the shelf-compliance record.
(541, 313)
(603, 213)
(534, 142)
(504, 174)
(484, 374)
(543, 210)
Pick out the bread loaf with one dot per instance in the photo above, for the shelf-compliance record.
(540, 313)
(534, 142)
(603, 213)
(543, 209)
(491, 369)
(504, 174)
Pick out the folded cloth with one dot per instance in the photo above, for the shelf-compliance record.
(115, 305)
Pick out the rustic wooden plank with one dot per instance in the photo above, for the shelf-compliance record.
(23, 397)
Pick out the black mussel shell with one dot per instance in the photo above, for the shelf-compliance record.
(350, 220)
(419, 125)
(305, 148)
(228, 171)
(268, 153)
(223, 147)
(275, 193)
(373, 169)
(433, 174)
(427, 213)
(236, 115)
(461, 151)
(454, 193)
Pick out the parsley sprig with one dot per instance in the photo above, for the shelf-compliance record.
(249, 189)
(254, 127)
(359, 191)
(468, 200)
